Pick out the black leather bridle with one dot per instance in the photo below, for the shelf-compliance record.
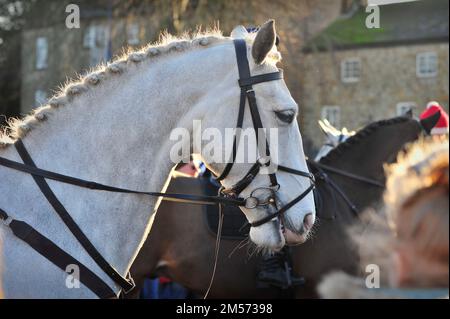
(246, 82)
(230, 196)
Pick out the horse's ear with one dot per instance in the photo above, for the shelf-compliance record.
(331, 129)
(264, 41)
(240, 32)
(430, 122)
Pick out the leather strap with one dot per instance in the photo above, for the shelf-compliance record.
(247, 93)
(185, 198)
(56, 255)
(237, 188)
(256, 79)
(257, 123)
(347, 174)
(240, 120)
(295, 172)
(321, 168)
(59, 208)
(283, 209)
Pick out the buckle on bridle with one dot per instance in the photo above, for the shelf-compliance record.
(253, 201)
(133, 285)
(264, 160)
(224, 192)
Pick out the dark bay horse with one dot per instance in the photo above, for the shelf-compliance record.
(181, 247)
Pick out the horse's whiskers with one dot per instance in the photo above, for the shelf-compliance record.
(252, 249)
(240, 245)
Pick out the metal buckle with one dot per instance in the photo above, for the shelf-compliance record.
(133, 285)
(275, 188)
(228, 193)
(264, 160)
(253, 201)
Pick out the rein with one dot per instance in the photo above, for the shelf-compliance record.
(58, 256)
(186, 198)
(322, 175)
(346, 174)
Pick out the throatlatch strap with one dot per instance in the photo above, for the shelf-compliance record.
(72, 225)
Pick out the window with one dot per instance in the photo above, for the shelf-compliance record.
(404, 107)
(89, 37)
(332, 114)
(40, 97)
(426, 64)
(96, 36)
(41, 53)
(101, 36)
(133, 34)
(96, 39)
(351, 70)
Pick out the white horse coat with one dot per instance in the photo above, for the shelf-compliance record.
(113, 127)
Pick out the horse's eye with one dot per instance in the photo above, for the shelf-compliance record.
(286, 116)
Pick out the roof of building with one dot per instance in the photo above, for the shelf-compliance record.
(401, 23)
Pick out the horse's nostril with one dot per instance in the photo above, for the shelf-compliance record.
(308, 222)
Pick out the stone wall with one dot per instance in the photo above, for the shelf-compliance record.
(388, 77)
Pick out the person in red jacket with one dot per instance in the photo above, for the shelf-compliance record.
(442, 126)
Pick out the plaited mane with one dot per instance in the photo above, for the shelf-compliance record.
(360, 136)
(18, 128)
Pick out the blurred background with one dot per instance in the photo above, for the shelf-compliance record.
(335, 66)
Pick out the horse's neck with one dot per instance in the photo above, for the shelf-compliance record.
(368, 156)
(116, 133)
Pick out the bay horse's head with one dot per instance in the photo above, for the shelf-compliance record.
(265, 194)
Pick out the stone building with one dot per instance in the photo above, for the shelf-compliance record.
(51, 52)
(353, 75)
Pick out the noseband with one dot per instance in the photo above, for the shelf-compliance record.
(246, 82)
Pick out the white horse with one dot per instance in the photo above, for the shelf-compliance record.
(113, 126)
(333, 137)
